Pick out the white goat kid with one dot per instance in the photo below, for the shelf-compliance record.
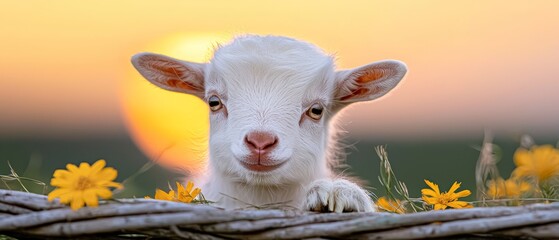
(271, 102)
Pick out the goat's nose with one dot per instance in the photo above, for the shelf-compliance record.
(261, 142)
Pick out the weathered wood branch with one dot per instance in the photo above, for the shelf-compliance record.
(550, 231)
(26, 200)
(467, 226)
(30, 215)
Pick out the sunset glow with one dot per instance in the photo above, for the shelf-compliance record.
(170, 127)
(472, 64)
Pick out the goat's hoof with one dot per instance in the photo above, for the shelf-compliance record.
(338, 195)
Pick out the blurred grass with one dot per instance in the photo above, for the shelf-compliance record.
(38, 158)
(441, 161)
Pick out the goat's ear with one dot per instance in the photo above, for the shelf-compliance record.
(368, 82)
(171, 74)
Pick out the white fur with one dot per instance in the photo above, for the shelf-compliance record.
(267, 84)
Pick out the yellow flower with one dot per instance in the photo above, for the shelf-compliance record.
(185, 195)
(446, 199)
(540, 163)
(387, 205)
(84, 184)
(511, 188)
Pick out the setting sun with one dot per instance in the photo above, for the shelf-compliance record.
(171, 128)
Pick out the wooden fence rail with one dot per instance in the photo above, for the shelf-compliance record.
(27, 215)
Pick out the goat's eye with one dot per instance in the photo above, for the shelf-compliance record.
(315, 111)
(215, 103)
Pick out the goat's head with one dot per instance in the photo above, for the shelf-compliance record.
(271, 99)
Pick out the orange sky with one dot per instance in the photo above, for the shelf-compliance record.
(471, 63)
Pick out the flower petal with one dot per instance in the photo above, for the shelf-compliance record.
(521, 171)
(435, 187)
(161, 195)
(524, 187)
(186, 199)
(90, 198)
(107, 174)
(440, 206)
(457, 204)
(195, 192)
(455, 186)
(189, 186)
(382, 203)
(430, 200)
(522, 157)
(72, 168)
(57, 193)
(463, 193)
(113, 184)
(85, 168)
(102, 192)
(67, 197)
(428, 192)
(61, 173)
(60, 182)
(77, 201)
(172, 195)
(180, 188)
(97, 166)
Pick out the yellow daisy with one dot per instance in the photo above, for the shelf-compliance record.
(441, 201)
(184, 195)
(384, 204)
(510, 188)
(83, 185)
(540, 163)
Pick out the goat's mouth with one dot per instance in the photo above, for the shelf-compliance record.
(260, 163)
(257, 167)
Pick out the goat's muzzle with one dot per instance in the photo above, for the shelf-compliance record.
(261, 144)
